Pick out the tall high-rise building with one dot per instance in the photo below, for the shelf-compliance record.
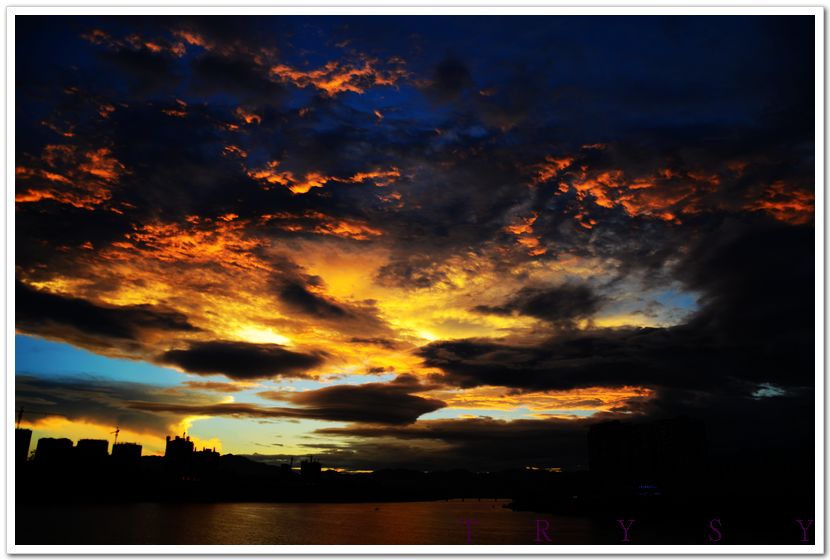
(53, 451)
(22, 442)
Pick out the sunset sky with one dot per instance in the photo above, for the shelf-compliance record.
(414, 241)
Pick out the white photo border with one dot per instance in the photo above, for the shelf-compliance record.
(416, 8)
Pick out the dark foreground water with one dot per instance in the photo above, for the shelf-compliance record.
(438, 522)
(274, 523)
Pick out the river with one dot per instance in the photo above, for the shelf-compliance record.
(439, 522)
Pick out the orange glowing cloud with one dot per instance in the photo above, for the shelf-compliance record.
(664, 194)
(180, 111)
(524, 225)
(311, 180)
(395, 199)
(70, 176)
(336, 77)
(101, 164)
(260, 56)
(786, 204)
(198, 240)
(550, 168)
(533, 245)
(322, 224)
(595, 399)
(585, 221)
(193, 39)
(378, 177)
(105, 110)
(65, 132)
(136, 43)
(523, 230)
(248, 117)
(232, 150)
(269, 175)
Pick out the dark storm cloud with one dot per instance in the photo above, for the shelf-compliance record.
(298, 298)
(756, 286)
(137, 406)
(557, 304)
(303, 295)
(225, 55)
(386, 403)
(237, 75)
(146, 72)
(231, 34)
(46, 314)
(606, 357)
(449, 80)
(160, 150)
(241, 360)
(92, 400)
(39, 226)
(755, 326)
(376, 403)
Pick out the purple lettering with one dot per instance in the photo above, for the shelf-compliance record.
(715, 529)
(543, 531)
(469, 523)
(625, 529)
(805, 529)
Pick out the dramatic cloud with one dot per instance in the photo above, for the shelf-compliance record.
(739, 339)
(68, 175)
(299, 298)
(377, 403)
(336, 77)
(241, 360)
(90, 400)
(52, 315)
(388, 403)
(543, 221)
(557, 304)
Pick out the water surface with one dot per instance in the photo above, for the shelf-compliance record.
(441, 522)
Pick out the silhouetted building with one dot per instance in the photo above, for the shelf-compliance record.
(287, 469)
(178, 449)
(205, 462)
(22, 442)
(178, 455)
(659, 452)
(124, 454)
(53, 451)
(310, 469)
(207, 453)
(91, 451)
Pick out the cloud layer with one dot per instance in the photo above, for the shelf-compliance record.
(422, 237)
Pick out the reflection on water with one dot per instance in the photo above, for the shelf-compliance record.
(267, 523)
